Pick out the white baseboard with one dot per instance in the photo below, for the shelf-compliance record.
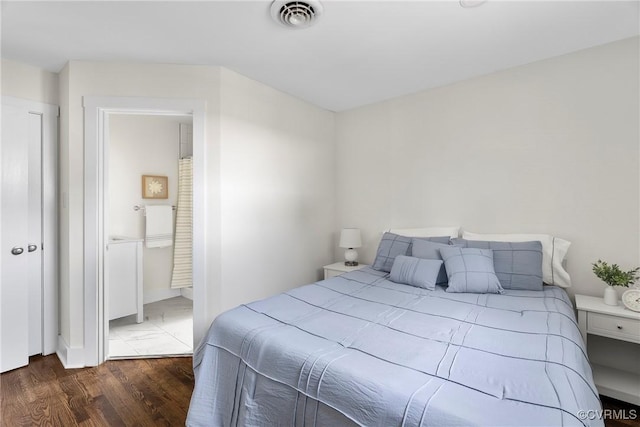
(159, 295)
(187, 292)
(70, 357)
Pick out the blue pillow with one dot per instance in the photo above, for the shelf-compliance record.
(393, 245)
(425, 249)
(518, 265)
(421, 273)
(470, 270)
(437, 239)
(389, 248)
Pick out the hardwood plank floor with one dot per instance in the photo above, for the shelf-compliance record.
(142, 392)
(621, 414)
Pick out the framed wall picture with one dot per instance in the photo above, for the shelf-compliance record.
(155, 187)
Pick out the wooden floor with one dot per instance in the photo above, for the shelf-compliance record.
(622, 414)
(144, 392)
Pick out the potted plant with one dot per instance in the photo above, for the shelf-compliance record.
(612, 275)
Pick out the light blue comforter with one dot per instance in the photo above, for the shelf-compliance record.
(359, 349)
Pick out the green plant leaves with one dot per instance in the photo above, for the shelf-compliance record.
(612, 275)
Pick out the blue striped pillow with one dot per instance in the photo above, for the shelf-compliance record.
(470, 270)
(518, 265)
(393, 245)
(421, 273)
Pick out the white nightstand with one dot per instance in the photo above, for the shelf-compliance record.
(338, 268)
(597, 318)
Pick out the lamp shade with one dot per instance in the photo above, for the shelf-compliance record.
(350, 238)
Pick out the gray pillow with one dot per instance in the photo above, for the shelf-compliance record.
(425, 249)
(518, 265)
(438, 239)
(389, 248)
(470, 270)
(393, 245)
(421, 273)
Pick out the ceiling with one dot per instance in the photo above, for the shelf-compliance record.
(358, 53)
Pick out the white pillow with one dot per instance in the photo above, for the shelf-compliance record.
(554, 250)
(426, 232)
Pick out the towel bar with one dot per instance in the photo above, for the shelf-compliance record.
(141, 208)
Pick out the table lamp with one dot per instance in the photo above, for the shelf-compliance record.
(349, 240)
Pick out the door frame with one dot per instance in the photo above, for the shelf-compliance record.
(49, 244)
(97, 110)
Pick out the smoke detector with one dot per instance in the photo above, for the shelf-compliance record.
(296, 14)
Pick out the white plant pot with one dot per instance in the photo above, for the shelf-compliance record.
(610, 296)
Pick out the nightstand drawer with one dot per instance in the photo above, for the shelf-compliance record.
(615, 327)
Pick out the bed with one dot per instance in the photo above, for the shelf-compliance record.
(359, 349)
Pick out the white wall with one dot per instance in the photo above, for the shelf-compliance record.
(549, 147)
(272, 154)
(63, 203)
(80, 78)
(28, 82)
(143, 145)
(277, 190)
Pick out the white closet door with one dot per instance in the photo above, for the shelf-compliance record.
(34, 242)
(28, 223)
(14, 330)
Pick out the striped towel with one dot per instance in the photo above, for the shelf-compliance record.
(159, 226)
(183, 250)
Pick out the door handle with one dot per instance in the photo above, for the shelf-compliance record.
(32, 248)
(16, 250)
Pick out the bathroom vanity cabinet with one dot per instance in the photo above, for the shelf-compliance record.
(125, 278)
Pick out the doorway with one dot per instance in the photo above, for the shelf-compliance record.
(148, 272)
(98, 113)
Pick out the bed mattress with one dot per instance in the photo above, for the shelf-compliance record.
(358, 349)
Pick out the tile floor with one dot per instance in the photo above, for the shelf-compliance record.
(167, 330)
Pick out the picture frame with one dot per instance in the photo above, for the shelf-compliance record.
(155, 187)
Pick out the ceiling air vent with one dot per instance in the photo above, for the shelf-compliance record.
(472, 3)
(296, 14)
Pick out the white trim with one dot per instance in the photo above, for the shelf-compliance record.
(71, 357)
(96, 114)
(50, 114)
(36, 107)
(159, 295)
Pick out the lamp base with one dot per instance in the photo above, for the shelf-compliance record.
(350, 257)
